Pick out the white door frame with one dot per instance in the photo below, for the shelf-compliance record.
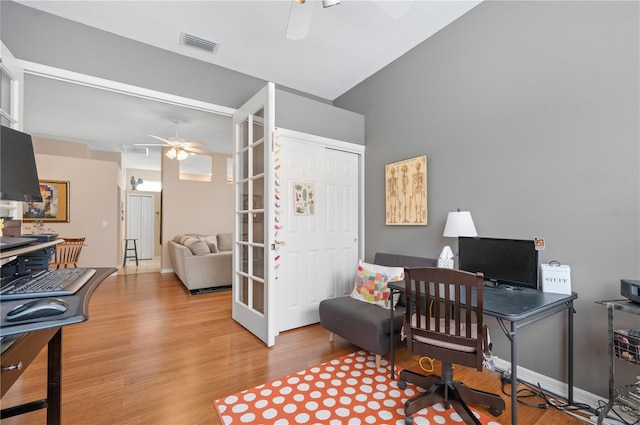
(46, 71)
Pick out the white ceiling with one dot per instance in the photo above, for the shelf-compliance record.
(345, 44)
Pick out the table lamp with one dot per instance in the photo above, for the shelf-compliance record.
(459, 223)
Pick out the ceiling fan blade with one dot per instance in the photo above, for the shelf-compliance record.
(195, 150)
(160, 138)
(149, 144)
(299, 20)
(194, 143)
(176, 139)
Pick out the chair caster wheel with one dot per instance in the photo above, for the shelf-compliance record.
(495, 412)
(408, 420)
(402, 384)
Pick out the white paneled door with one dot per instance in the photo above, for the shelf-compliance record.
(140, 226)
(318, 189)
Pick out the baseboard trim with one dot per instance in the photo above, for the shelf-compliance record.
(166, 270)
(554, 386)
(559, 388)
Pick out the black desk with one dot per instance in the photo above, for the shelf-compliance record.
(520, 308)
(21, 342)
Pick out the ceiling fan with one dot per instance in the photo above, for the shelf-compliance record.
(180, 148)
(300, 13)
(300, 18)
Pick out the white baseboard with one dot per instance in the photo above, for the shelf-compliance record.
(552, 385)
(561, 389)
(166, 270)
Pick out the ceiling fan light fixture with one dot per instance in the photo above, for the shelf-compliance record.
(171, 153)
(181, 154)
(329, 3)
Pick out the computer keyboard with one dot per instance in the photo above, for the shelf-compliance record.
(47, 283)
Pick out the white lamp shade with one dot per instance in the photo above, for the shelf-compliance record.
(459, 223)
(181, 154)
(171, 153)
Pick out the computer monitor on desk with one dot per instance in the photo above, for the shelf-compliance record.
(504, 262)
(18, 172)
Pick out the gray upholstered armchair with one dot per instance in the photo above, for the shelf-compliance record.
(367, 325)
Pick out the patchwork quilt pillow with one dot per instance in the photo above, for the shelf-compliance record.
(371, 283)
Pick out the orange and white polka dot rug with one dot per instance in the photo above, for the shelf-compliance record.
(347, 390)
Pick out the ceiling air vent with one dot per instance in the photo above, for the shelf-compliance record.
(136, 149)
(199, 43)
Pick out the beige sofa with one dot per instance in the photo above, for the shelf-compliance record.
(202, 261)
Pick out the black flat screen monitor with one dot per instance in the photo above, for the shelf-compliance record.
(18, 173)
(512, 262)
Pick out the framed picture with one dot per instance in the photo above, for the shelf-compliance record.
(406, 192)
(303, 198)
(54, 207)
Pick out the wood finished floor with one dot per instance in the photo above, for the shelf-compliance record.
(153, 354)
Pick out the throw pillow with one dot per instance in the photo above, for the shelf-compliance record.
(225, 241)
(177, 238)
(371, 283)
(212, 243)
(197, 246)
(182, 239)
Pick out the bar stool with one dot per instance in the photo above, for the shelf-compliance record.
(128, 248)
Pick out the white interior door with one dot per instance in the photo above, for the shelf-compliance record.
(140, 223)
(253, 290)
(319, 187)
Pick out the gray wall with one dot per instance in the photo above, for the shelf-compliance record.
(299, 113)
(529, 115)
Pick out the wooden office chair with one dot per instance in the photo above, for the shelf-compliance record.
(436, 325)
(67, 253)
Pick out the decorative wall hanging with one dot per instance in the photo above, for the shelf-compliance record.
(54, 207)
(406, 192)
(303, 198)
(277, 242)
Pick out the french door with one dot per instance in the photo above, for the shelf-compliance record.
(253, 289)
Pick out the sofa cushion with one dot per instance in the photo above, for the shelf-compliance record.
(197, 246)
(371, 283)
(177, 238)
(225, 241)
(212, 243)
